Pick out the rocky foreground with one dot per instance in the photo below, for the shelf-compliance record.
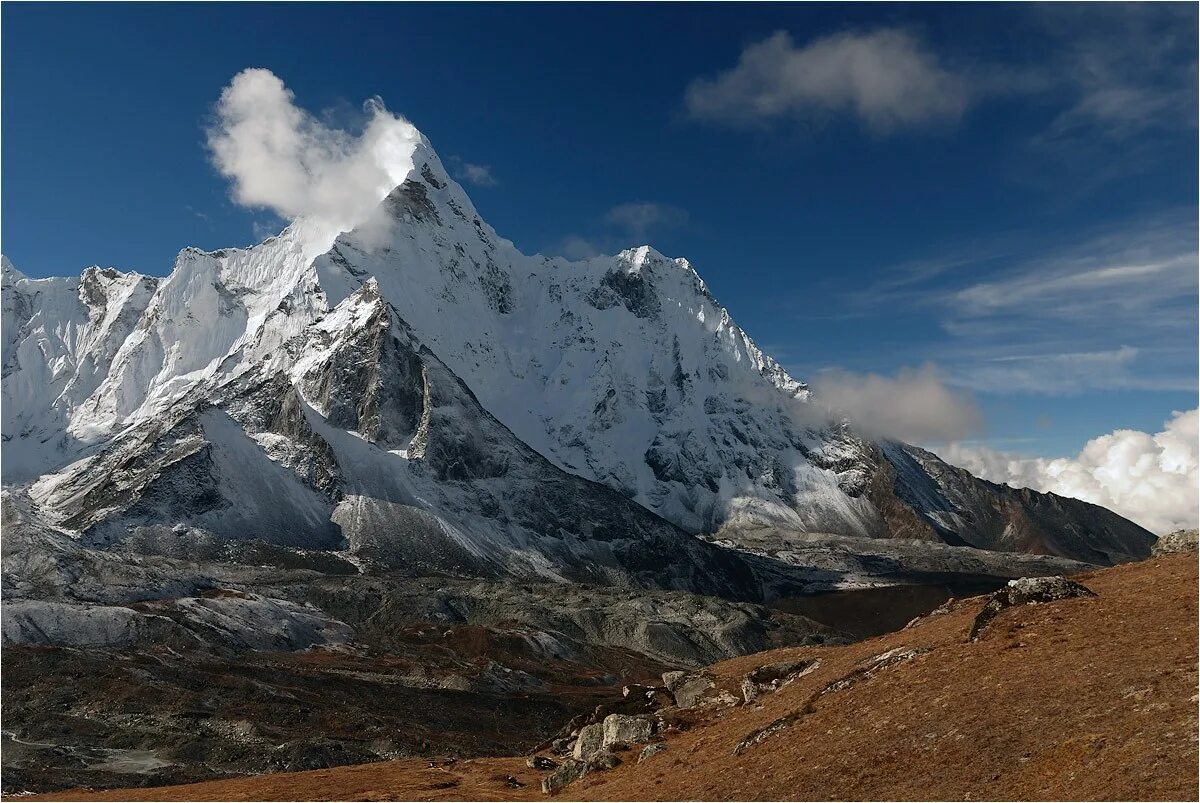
(1074, 689)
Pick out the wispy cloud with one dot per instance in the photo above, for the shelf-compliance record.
(1132, 280)
(1050, 373)
(887, 78)
(1118, 310)
(625, 225)
(477, 175)
(638, 218)
(1126, 67)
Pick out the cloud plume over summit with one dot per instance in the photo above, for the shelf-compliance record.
(282, 158)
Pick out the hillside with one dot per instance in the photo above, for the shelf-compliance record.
(1085, 698)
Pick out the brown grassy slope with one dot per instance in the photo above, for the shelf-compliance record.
(1079, 699)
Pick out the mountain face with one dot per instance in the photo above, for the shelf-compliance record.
(422, 396)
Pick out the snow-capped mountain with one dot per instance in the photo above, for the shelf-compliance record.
(424, 395)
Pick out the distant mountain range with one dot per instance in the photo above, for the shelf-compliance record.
(423, 396)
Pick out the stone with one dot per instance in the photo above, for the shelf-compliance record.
(570, 771)
(1176, 542)
(772, 677)
(692, 691)
(672, 679)
(604, 760)
(589, 742)
(573, 769)
(620, 729)
(650, 750)
(1026, 591)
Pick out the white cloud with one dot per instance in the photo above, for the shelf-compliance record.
(1149, 478)
(280, 157)
(639, 217)
(914, 405)
(884, 77)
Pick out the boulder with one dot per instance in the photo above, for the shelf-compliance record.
(688, 688)
(570, 771)
(620, 729)
(589, 742)
(650, 750)
(1176, 542)
(673, 679)
(573, 769)
(1027, 591)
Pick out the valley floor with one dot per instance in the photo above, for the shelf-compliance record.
(1087, 698)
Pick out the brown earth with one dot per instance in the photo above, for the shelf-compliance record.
(1081, 699)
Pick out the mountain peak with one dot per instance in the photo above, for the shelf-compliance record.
(9, 271)
(622, 370)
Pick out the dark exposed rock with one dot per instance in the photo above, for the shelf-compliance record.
(949, 504)
(650, 750)
(573, 769)
(411, 199)
(589, 742)
(1027, 591)
(688, 688)
(772, 677)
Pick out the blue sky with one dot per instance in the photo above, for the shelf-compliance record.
(1005, 192)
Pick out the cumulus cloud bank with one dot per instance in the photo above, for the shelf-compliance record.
(914, 405)
(1149, 478)
(280, 157)
(885, 77)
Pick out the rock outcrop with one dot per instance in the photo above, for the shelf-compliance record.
(1026, 591)
(621, 730)
(1178, 541)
